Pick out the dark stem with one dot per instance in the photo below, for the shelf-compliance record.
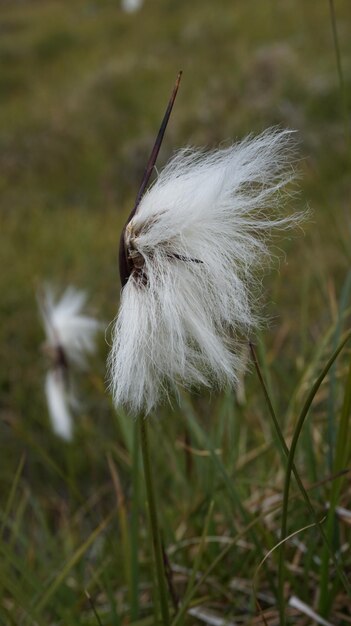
(169, 576)
(156, 148)
(124, 265)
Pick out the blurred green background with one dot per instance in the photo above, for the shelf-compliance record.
(83, 87)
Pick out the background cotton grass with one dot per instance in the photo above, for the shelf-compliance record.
(70, 337)
(196, 243)
(131, 6)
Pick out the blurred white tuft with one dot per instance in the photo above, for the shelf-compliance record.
(58, 403)
(65, 324)
(131, 6)
(70, 336)
(195, 243)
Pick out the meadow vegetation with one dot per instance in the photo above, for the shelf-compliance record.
(83, 87)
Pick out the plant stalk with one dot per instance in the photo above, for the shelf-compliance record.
(343, 99)
(155, 531)
(134, 527)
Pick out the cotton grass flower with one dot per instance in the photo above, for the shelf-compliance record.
(70, 336)
(131, 6)
(190, 256)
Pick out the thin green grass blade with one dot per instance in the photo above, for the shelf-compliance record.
(289, 469)
(48, 461)
(264, 366)
(205, 441)
(343, 96)
(155, 530)
(110, 592)
(310, 371)
(15, 589)
(14, 559)
(340, 462)
(42, 602)
(126, 426)
(343, 427)
(11, 496)
(123, 524)
(134, 525)
(246, 530)
(11, 562)
(279, 432)
(201, 549)
(331, 426)
(294, 534)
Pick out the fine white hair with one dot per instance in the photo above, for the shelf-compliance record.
(197, 239)
(70, 336)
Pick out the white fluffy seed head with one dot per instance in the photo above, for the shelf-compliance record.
(70, 336)
(65, 324)
(195, 242)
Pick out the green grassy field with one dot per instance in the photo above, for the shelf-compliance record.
(83, 87)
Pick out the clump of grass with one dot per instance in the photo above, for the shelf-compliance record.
(210, 563)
